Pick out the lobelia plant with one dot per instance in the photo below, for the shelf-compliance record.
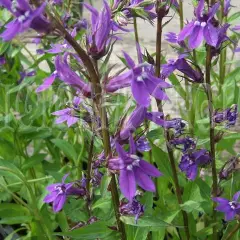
(98, 154)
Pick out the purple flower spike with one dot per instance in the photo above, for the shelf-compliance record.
(203, 27)
(229, 116)
(26, 18)
(229, 208)
(227, 6)
(133, 170)
(190, 162)
(133, 208)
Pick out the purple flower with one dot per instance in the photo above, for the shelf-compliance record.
(186, 143)
(171, 37)
(26, 18)
(227, 6)
(58, 193)
(133, 208)
(190, 162)
(177, 124)
(143, 145)
(26, 74)
(81, 24)
(229, 116)
(135, 120)
(229, 208)
(2, 60)
(96, 178)
(133, 170)
(203, 27)
(183, 66)
(229, 167)
(99, 37)
(68, 115)
(142, 80)
(65, 73)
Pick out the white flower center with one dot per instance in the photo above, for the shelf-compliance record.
(140, 79)
(232, 205)
(197, 23)
(59, 189)
(203, 24)
(129, 167)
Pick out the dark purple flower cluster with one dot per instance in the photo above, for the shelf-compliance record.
(132, 208)
(227, 116)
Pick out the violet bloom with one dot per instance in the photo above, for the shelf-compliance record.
(191, 161)
(133, 170)
(67, 75)
(185, 144)
(58, 193)
(96, 178)
(229, 116)
(184, 67)
(135, 120)
(99, 37)
(69, 115)
(227, 6)
(142, 80)
(132, 208)
(2, 60)
(26, 18)
(229, 208)
(26, 74)
(203, 27)
(143, 145)
(229, 167)
(177, 124)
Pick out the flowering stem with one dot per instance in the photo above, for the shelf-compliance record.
(170, 152)
(211, 132)
(97, 95)
(231, 234)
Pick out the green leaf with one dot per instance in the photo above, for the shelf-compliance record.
(33, 161)
(11, 213)
(234, 17)
(66, 147)
(96, 230)
(146, 221)
(102, 203)
(190, 206)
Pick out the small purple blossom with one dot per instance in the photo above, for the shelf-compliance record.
(142, 80)
(133, 170)
(187, 143)
(227, 6)
(68, 115)
(26, 18)
(229, 208)
(96, 178)
(143, 145)
(58, 193)
(229, 116)
(191, 161)
(203, 27)
(229, 167)
(135, 120)
(132, 208)
(2, 60)
(182, 65)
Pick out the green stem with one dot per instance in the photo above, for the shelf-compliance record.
(211, 133)
(232, 233)
(30, 181)
(166, 134)
(223, 55)
(79, 159)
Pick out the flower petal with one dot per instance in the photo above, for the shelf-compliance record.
(211, 34)
(143, 180)
(127, 184)
(47, 83)
(196, 37)
(149, 169)
(186, 31)
(59, 202)
(140, 93)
